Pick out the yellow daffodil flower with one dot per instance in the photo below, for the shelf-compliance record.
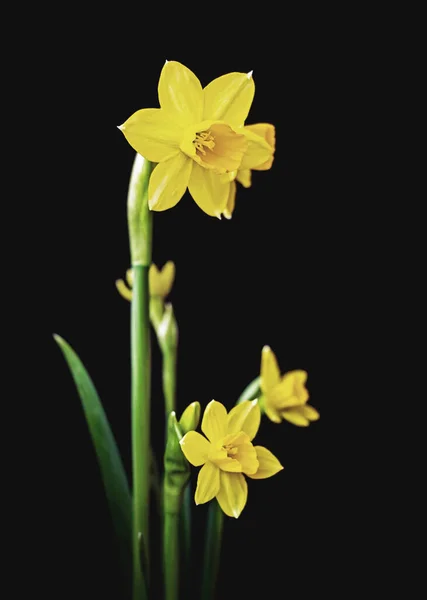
(258, 157)
(228, 454)
(194, 136)
(160, 282)
(284, 397)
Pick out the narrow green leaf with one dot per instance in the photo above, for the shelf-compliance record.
(110, 462)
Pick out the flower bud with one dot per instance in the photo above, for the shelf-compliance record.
(190, 418)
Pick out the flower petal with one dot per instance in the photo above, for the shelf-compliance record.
(180, 93)
(258, 151)
(233, 493)
(152, 134)
(310, 413)
(208, 483)
(271, 412)
(231, 202)
(229, 98)
(270, 374)
(290, 391)
(167, 276)
(268, 132)
(247, 457)
(208, 190)
(268, 464)
(296, 416)
(244, 177)
(246, 417)
(195, 448)
(168, 182)
(214, 422)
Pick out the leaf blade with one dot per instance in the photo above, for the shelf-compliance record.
(111, 466)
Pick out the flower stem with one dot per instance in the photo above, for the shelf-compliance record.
(171, 555)
(212, 550)
(140, 357)
(187, 503)
(169, 379)
(140, 240)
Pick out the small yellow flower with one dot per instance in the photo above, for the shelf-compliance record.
(193, 136)
(284, 397)
(228, 454)
(259, 157)
(160, 282)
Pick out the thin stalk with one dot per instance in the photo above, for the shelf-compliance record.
(171, 555)
(187, 503)
(169, 379)
(141, 453)
(212, 550)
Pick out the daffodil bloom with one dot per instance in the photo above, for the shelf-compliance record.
(227, 454)
(194, 136)
(160, 282)
(258, 157)
(284, 397)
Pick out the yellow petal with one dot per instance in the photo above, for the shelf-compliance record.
(246, 417)
(244, 177)
(224, 462)
(310, 413)
(208, 191)
(290, 391)
(152, 134)
(195, 447)
(208, 483)
(167, 276)
(233, 493)
(229, 98)
(296, 416)
(231, 202)
(264, 130)
(268, 464)
(247, 457)
(180, 93)
(123, 290)
(168, 182)
(270, 374)
(268, 132)
(214, 422)
(271, 412)
(258, 151)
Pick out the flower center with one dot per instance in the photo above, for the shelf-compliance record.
(231, 450)
(203, 140)
(214, 145)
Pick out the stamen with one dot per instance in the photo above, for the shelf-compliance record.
(231, 450)
(202, 140)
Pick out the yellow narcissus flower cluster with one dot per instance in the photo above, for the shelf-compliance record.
(284, 397)
(160, 282)
(198, 139)
(227, 455)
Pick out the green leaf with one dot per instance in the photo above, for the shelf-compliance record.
(110, 462)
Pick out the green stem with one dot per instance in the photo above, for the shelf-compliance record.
(171, 555)
(140, 360)
(169, 379)
(212, 550)
(187, 503)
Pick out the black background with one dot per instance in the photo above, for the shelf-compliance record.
(276, 274)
